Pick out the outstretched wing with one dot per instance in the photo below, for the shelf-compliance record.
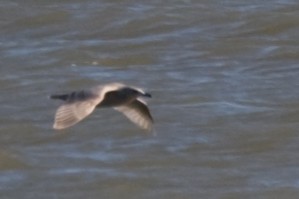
(138, 113)
(78, 106)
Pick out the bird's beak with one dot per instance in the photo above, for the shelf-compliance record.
(147, 95)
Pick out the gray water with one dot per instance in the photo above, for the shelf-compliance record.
(224, 77)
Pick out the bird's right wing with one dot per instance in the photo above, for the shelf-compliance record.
(138, 113)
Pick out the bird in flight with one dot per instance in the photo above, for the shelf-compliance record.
(125, 99)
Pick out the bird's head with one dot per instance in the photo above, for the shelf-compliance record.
(135, 92)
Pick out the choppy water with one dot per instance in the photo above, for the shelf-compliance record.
(224, 77)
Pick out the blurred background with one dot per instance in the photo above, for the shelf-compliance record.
(224, 81)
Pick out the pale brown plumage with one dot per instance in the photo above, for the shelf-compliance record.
(80, 104)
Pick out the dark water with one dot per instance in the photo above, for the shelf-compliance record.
(224, 80)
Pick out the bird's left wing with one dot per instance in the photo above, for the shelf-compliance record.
(76, 109)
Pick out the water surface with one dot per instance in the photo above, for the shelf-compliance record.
(223, 75)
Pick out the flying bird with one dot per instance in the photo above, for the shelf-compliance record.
(125, 99)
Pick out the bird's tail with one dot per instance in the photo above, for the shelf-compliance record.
(63, 97)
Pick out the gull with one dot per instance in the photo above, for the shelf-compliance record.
(125, 99)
